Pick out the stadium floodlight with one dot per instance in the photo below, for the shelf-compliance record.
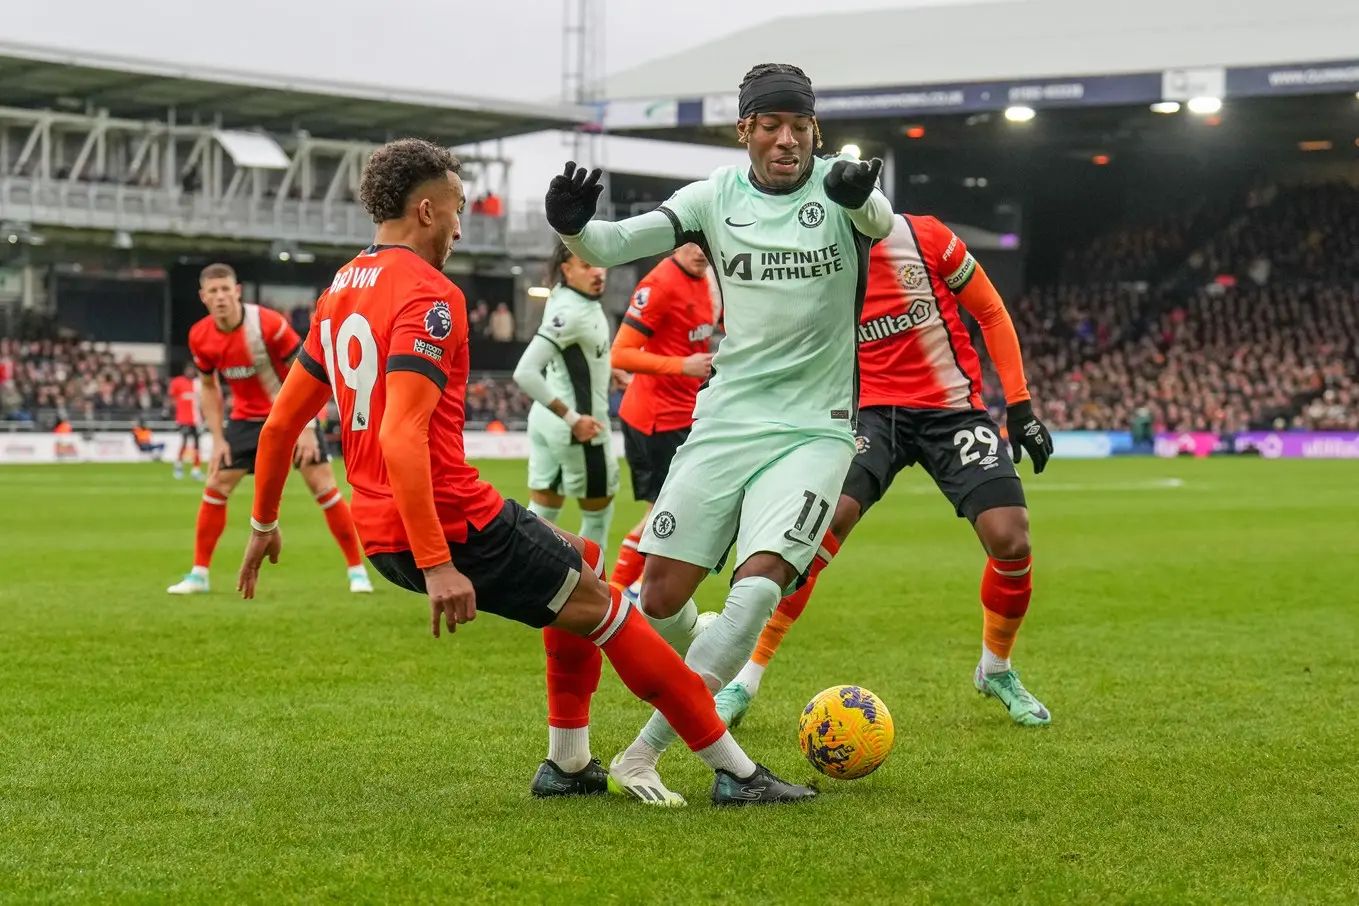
(851, 150)
(1166, 107)
(1204, 106)
(539, 292)
(1019, 114)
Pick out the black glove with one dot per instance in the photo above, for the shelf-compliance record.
(571, 199)
(850, 182)
(1028, 433)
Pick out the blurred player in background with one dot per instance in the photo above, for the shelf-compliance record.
(663, 342)
(390, 338)
(250, 347)
(570, 443)
(773, 430)
(145, 440)
(185, 391)
(920, 392)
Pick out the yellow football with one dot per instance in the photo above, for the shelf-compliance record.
(846, 732)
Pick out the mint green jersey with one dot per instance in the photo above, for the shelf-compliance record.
(579, 374)
(792, 270)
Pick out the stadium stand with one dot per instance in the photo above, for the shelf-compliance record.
(1222, 318)
(1254, 329)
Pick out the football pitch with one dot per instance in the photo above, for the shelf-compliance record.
(1194, 631)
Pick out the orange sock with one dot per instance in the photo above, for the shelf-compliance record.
(197, 458)
(1006, 588)
(341, 523)
(212, 513)
(573, 668)
(791, 607)
(593, 558)
(628, 569)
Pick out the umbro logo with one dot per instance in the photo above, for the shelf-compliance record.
(738, 225)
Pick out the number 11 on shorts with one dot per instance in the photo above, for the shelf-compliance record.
(813, 506)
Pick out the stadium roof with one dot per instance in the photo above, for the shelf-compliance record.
(1021, 39)
(33, 76)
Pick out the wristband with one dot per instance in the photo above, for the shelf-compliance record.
(263, 527)
(571, 416)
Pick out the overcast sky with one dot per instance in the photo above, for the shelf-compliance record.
(490, 48)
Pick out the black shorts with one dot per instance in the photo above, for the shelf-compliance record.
(189, 434)
(520, 568)
(962, 450)
(243, 437)
(649, 457)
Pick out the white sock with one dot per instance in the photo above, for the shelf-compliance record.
(678, 631)
(640, 754)
(722, 648)
(594, 525)
(727, 755)
(569, 747)
(200, 571)
(992, 664)
(750, 677)
(546, 513)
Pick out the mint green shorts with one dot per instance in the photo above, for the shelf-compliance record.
(768, 488)
(555, 464)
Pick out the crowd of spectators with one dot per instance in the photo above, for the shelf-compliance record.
(1233, 359)
(61, 380)
(492, 397)
(1259, 329)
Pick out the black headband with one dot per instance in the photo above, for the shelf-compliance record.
(778, 92)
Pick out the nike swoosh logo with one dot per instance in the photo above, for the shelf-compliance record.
(791, 537)
(738, 225)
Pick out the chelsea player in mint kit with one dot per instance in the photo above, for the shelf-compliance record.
(773, 431)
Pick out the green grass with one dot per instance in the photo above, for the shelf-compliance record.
(1196, 643)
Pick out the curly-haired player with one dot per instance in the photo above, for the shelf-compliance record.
(390, 338)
